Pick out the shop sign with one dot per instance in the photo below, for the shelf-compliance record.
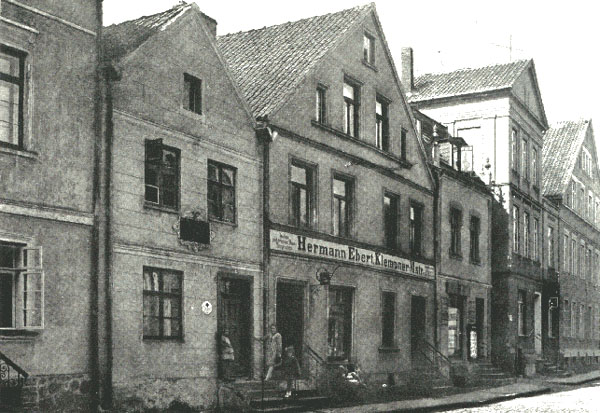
(313, 247)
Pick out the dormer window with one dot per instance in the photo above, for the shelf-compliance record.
(192, 93)
(369, 49)
(381, 125)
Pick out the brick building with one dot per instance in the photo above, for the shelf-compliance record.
(185, 239)
(571, 187)
(47, 89)
(499, 112)
(348, 192)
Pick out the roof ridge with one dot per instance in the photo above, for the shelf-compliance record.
(360, 7)
(466, 69)
(179, 5)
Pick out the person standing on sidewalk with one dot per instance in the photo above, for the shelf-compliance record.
(227, 355)
(291, 369)
(273, 356)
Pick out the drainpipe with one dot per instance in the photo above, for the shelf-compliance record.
(436, 254)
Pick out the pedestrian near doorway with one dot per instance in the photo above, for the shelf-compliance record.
(227, 355)
(291, 369)
(273, 356)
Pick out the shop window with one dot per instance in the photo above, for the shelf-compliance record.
(302, 194)
(475, 230)
(391, 211)
(416, 228)
(521, 310)
(321, 105)
(12, 94)
(162, 174)
(351, 93)
(221, 192)
(342, 206)
(162, 304)
(388, 319)
(192, 93)
(455, 325)
(455, 228)
(21, 287)
(339, 332)
(382, 133)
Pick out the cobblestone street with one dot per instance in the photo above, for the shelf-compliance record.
(583, 399)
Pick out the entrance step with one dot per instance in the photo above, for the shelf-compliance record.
(485, 373)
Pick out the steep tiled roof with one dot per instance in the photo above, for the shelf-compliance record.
(467, 81)
(123, 38)
(561, 148)
(269, 63)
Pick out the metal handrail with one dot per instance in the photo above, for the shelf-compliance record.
(311, 352)
(437, 356)
(432, 347)
(12, 364)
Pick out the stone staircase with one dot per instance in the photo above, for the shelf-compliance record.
(548, 367)
(484, 373)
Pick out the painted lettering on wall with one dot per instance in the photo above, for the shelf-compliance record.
(303, 245)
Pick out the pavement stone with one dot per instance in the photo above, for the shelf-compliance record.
(577, 379)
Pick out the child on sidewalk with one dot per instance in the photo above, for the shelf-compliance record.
(291, 369)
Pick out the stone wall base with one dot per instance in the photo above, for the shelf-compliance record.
(57, 393)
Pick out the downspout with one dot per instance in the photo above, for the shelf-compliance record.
(96, 207)
(436, 254)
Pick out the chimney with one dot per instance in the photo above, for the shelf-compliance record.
(211, 24)
(407, 69)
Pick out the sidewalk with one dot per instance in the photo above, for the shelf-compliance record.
(473, 398)
(576, 379)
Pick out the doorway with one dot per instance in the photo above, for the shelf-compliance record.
(417, 323)
(537, 322)
(479, 322)
(290, 315)
(234, 314)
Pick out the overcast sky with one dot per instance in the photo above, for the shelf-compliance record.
(448, 35)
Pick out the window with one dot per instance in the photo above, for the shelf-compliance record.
(351, 102)
(573, 255)
(572, 196)
(590, 206)
(221, 192)
(342, 206)
(525, 159)
(536, 231)
(581, 200)
(550, 247)
(581, 260)
(565, 253)
(521, 313)
(12, 92)
(321, 106)
(390, 215)
(339, 329)
(21, 287)
(580, 322)
(567, 319)
(382, 139)
(455, 227)
(388, 316)
(403, 144)
(515, 150)
(526, 239)
(551, 321)
(516, 230)
(416, 228)
(162, 304)
(475, 230)
(302, 195)
(162, 174)
(369, 49)
(573, 319)
(534, 160)
(192, 93)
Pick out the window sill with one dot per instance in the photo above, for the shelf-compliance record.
(149, 205)
(389, 349)
(163, 339)
(475, 262)
(454, 256)
(19, 333)
(370, 65)
(193, 115)
(218, 221)
(15, 151)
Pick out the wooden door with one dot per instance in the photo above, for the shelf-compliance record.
(235, 315)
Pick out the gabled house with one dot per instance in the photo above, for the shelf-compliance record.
(185, 240)
(571, 186)
(498, 111)
(349, 197)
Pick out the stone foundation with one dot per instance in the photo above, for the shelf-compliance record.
(57, 393)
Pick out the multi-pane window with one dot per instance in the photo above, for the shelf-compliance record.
(351, 105)
(565, 261)
(536, 232)
(162, 303)
(516, 229)
(388, 318)
(342, 206)
(391, 211)
(526, 238)
(573, 255)
(301, 194)
(534, 166)
(192, 93)
(525, 159)
(221, 192)
(339, 329)
(573, 319)
(515, 149)
(369, 49)
(403, 144)
(521, 307)
(21, 287)
(550, 247)
(416, 228)
(455, 228)
(162, 174)
(382, 139)
(12, 85)
(321, 105)
(474, 230)
(581, 260)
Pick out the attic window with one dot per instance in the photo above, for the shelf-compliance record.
(369, 49)
(192, 93)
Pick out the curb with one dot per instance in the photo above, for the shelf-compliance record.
(575, 383)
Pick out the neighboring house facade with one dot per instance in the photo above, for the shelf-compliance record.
(349, 202)
(463, 260)
(185, 209)
(47, 89)
(499, 112)
(572, 186)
